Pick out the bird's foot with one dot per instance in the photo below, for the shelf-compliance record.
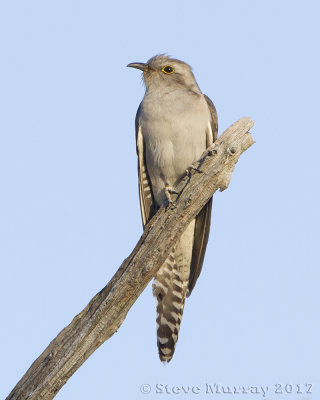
(188, 170)
(168, 192)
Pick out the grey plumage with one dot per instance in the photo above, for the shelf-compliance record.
(175, 123)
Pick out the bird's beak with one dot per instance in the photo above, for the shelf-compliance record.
(141, 66)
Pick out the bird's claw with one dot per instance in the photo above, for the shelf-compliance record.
(188, 170)
(168, 192)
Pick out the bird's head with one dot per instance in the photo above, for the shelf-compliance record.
(162, 71)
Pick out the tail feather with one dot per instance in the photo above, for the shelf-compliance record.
(170, 291)
(170, 288)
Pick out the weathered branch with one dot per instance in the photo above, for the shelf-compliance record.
(107, 310)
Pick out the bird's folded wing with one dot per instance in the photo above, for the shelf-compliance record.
(203, 219)
(213, 122)
(147, 204)
(201, 235)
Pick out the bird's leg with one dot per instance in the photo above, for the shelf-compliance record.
(168, 192)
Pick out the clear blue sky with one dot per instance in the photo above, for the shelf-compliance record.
(69, 213)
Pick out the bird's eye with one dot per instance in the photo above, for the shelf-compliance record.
(168, 69)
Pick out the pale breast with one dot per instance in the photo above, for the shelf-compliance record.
(174, 131)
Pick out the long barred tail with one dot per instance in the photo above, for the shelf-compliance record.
(170, 291)
(170, 288)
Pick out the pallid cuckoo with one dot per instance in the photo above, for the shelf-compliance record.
(175, 123)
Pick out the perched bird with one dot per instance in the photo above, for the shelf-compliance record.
(175, 123)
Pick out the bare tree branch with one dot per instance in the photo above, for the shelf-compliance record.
(105, 313)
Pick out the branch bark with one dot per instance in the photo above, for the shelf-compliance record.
(105, 313)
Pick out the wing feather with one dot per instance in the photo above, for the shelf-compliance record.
(203, 219)
(147, 203)
(213, 122)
